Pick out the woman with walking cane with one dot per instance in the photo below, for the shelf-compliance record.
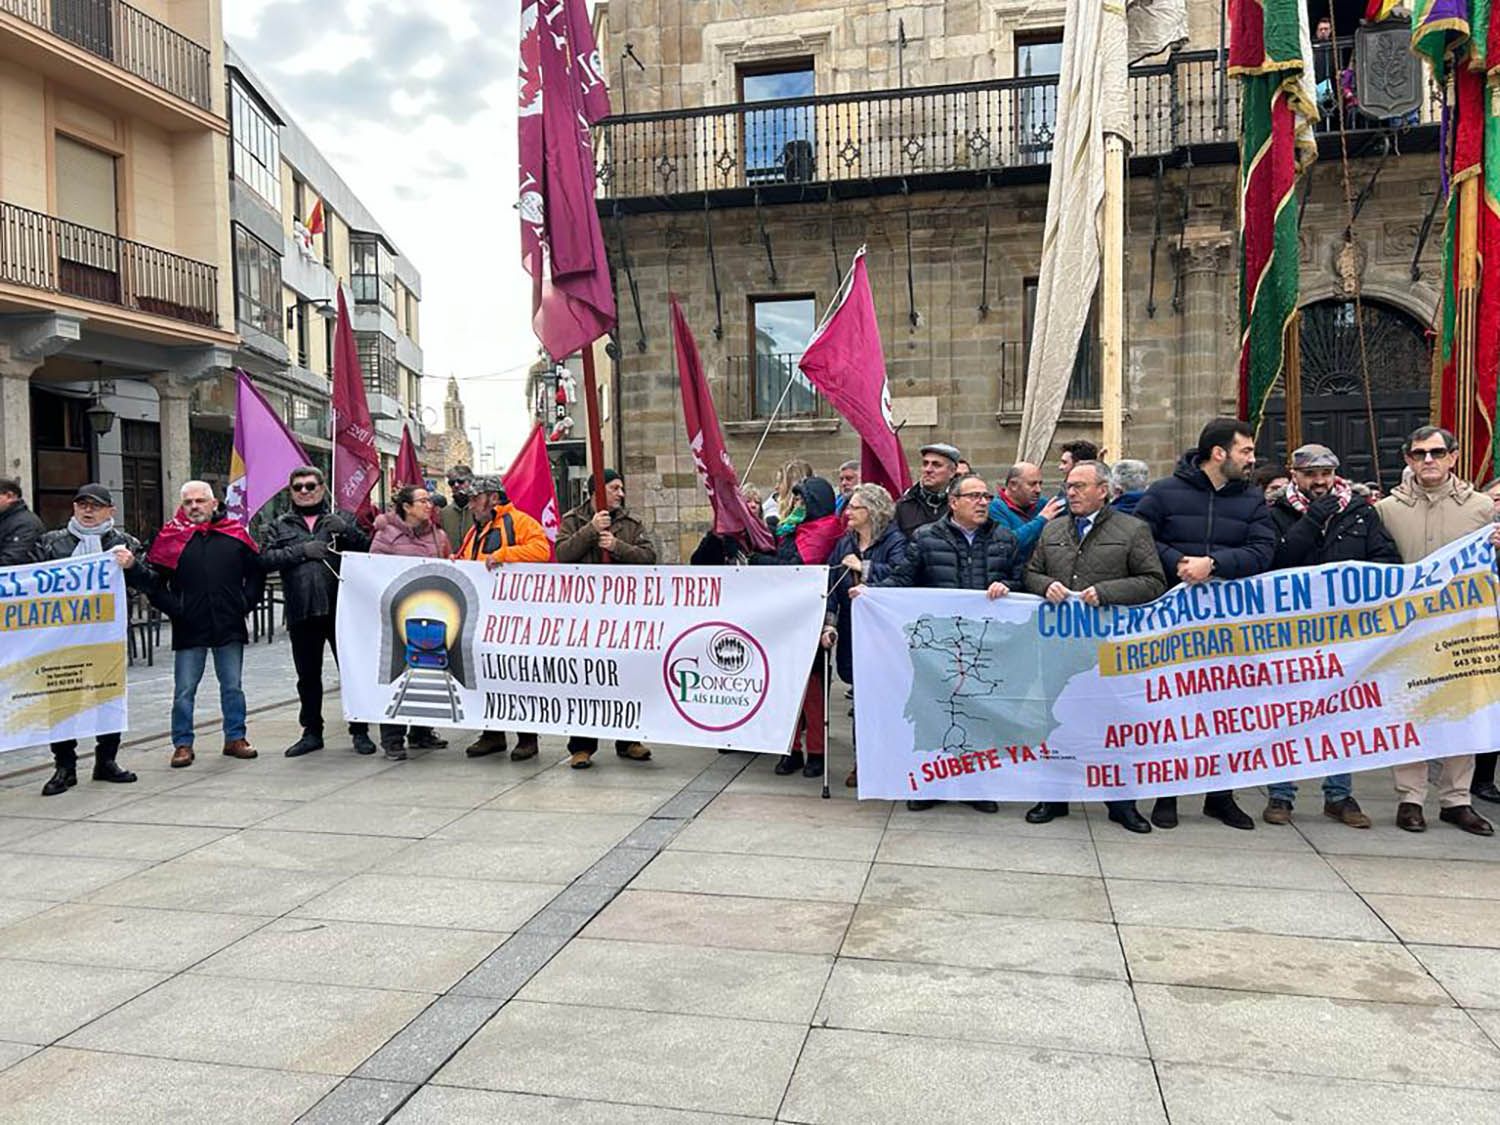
(868, 552)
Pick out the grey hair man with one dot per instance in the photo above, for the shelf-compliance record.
(1128, 482)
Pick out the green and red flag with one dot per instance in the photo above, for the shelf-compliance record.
(1270, 52)
(1461, 43)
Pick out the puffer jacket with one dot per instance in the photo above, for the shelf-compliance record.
(1353, 535)
(508, 536)
(881, 558)
(942, 558)
(578, 539)
(309, 586)
(1025, 526)
(917, 508)
(1117, 558)
(1421, 521)
(59, 544)
(1188, 517)
(393, 537)
(20, 528)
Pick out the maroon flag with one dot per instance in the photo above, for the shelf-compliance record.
(732, 515)
(562, 245)
(356, 464)
(529, 484)
(408, 469)
(845, 362)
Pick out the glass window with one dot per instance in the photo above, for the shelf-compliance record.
(1038, 55)
(257, 284)
(377, 360)
(779, 144)
(1083, 384)
(256, 144)
(780, 328)
(372, 272)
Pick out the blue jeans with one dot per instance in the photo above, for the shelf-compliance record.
(229, 663)
(1336, 787)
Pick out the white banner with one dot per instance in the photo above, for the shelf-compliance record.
(697, 656)
(1294, 674)
(62, 651)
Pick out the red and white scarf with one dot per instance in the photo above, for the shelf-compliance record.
(1299, 501)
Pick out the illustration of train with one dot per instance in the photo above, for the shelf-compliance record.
(425, 693)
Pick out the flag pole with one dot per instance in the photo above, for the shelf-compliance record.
(771, 421)
(1112, 299)
(596, 439)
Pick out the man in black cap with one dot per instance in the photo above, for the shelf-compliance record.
(90, 531)
(20, 527)
(927, 501)
(455, 518)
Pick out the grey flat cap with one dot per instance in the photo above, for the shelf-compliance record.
(943, 449)
(1314, 456)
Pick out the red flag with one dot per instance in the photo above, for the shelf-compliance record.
(562, 245)
(315, 220)
(356, 464)
(408, 469)
(732, 515)
(529, 484)
(845, 362)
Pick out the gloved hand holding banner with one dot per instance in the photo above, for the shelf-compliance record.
(683, 655)
(62, 650)
(1292, 674)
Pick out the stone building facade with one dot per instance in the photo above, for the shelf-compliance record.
(740, 210)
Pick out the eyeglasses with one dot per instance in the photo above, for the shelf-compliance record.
(90, 505)
(1428, 454)
(307, 486)
(422, 500)
(975, 496)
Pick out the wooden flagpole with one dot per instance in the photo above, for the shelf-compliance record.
(1112, 300)
(1291, 376)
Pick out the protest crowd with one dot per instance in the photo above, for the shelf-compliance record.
(1102, 534)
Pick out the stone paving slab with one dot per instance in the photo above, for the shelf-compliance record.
(41, 1002)
(719, 873)
(1270, 910)
(724, 921)
(444, 1105)
(123, 937)
(431, 900)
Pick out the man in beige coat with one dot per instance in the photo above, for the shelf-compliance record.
(1429, 509)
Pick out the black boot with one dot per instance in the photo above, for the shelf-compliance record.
(311, 740)
(789, 764)
(1164, 812)
(425, 738)
(107, 769)
(362, 742)
(63, 778)
(814, 767)
(394, 751)
(1221, 806)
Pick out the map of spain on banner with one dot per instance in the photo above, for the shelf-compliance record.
(1294, 674)
(62, 651)
(693, 656)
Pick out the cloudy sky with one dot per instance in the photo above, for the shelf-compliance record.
(414, 104)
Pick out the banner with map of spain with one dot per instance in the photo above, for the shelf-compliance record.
(62, 651)
(1294, 674)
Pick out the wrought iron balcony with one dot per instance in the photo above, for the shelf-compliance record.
(1083, 386)
(43, 252)
(848, 144)
(127, 37)
(756, 383)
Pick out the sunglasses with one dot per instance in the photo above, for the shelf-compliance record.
(307, 486)
(1428, 454)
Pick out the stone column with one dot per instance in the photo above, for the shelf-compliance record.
(1200, 375)
(15, 416)
(173, 397)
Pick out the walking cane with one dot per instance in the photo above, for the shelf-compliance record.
(827, 691)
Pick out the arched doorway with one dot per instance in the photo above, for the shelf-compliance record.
(1399, 354)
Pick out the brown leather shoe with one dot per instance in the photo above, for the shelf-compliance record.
(852, 781)
(634, 751)
(1409, 817)
(526, 747)
(1462, 816)
(181, 756)
(1347, 812)
(239, 748)
(580, 760)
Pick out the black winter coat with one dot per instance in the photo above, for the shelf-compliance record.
(218, 581)
(59, 544)
(20, 528)
(915, 510)
(881, 559)
(1353, 535)
(1188, 517)
(941, 557)
(310, 586)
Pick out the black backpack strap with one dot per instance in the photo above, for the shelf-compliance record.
(510, 529)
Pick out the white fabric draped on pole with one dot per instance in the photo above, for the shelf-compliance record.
(1093, 98)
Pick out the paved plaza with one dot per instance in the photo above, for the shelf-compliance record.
(345, 939)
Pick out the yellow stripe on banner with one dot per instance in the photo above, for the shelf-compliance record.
(41, 690)
(1244, 639)
(56, 613)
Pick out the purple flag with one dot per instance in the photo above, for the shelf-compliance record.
(562, 244)
(265, 453)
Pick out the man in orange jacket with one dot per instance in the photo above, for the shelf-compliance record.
(502, 533)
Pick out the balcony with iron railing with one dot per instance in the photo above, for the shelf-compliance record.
(128, 38)
(43, 252)
(1082, 397)
(755, 385)
(870, 142)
